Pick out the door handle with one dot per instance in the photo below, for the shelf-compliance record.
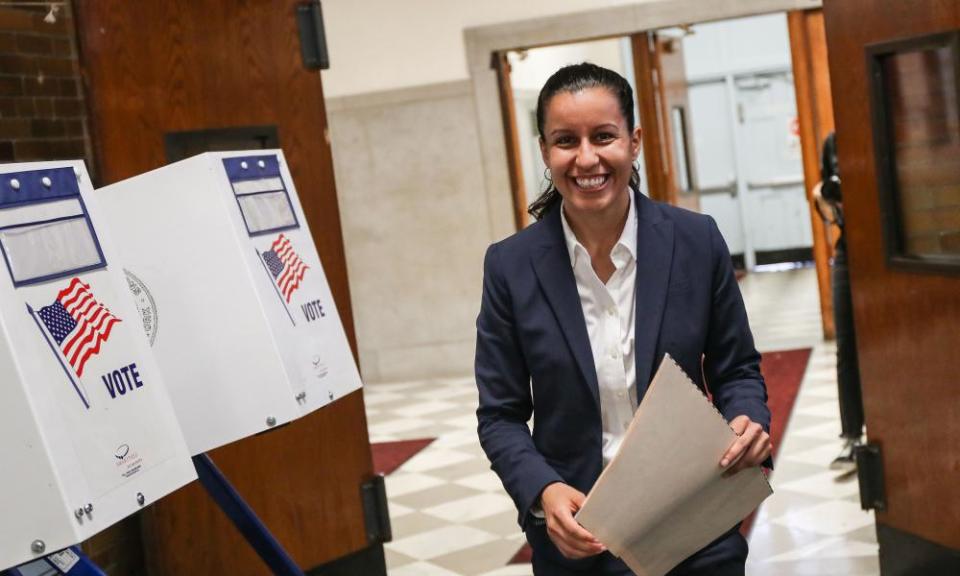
(728, 188)
(777, 182)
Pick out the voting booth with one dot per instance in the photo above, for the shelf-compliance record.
(231, 291)
(88, 434)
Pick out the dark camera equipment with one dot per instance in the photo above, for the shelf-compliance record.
(830, 178)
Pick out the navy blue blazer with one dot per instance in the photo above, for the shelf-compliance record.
(534, 358)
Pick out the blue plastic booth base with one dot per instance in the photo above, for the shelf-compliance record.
(72, 562)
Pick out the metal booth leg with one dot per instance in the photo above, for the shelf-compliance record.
(244, 518)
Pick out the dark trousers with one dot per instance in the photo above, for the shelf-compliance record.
(723, 557)
(848, 370)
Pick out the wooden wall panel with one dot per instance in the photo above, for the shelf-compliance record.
(907, 323)
(808, 46)
(154, 67)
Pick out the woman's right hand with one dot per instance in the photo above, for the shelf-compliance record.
(560, 502)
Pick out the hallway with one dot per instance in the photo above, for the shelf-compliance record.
(812, 524)
(450, 515)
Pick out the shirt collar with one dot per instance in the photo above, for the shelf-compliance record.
(628, 237)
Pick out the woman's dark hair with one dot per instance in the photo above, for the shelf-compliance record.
(830, 170)
(576, 78)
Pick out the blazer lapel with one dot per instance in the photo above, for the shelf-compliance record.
(654, 257)
(555, 274)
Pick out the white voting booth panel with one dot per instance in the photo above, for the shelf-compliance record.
(88, 434)
(236, 301)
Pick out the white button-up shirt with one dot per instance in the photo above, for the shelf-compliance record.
(609, 311)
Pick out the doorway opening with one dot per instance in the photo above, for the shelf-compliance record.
(718, 109)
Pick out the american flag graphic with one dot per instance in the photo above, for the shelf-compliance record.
(287, 268)
(78, 323)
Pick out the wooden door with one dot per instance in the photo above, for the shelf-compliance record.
(665, 119)
(904, 259)
(154, 68)
(675, 112)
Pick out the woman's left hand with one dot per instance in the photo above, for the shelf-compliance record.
(750, 449)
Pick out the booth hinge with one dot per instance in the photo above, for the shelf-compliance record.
(376, 515)
(870, 474)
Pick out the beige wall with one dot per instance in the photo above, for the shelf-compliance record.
(415, 224)
(418, 150)
(378, 45)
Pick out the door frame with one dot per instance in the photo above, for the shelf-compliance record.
(657, 137)
(511, 141)
(811, 81)
(485, 45)
(482, 43)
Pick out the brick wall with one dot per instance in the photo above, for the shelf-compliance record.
(42, 112)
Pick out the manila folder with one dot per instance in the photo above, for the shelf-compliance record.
(663, 497)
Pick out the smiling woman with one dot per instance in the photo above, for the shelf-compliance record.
(589, 146)
(577, 311)
(591, 116)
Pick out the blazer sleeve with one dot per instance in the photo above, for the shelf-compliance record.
(731, 363)
(506, 405)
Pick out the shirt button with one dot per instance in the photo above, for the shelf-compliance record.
(611, 312)
(614, 353)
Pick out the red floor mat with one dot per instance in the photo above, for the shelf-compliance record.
(783, 371)
(388, 456)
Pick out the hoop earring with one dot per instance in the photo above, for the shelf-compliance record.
(635, 179)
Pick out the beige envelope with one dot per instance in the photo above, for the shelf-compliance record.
(663, 497)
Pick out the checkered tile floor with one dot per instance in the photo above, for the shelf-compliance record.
(451, 517)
